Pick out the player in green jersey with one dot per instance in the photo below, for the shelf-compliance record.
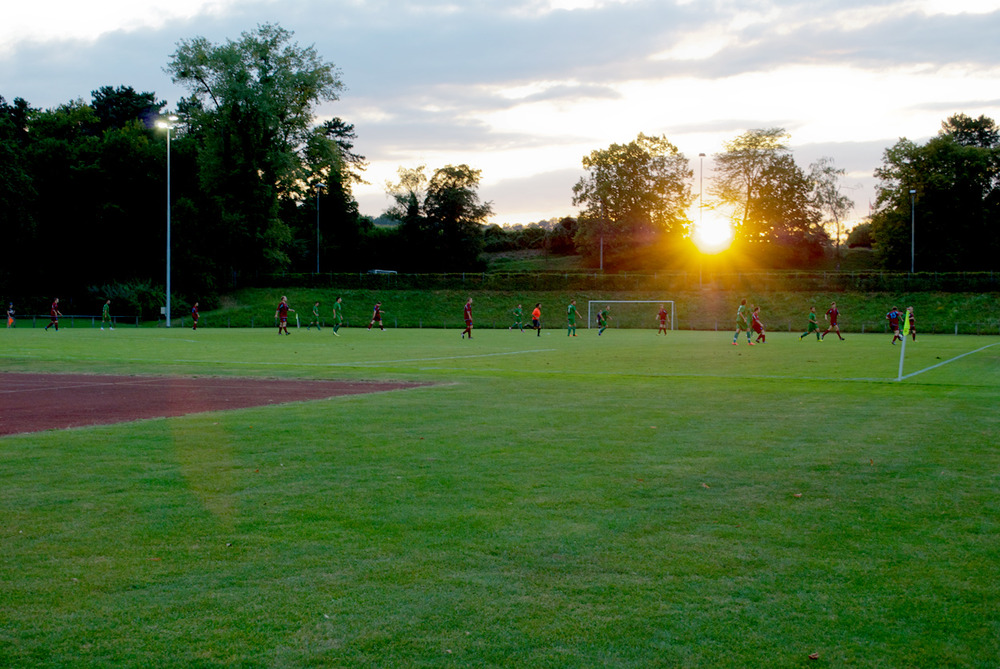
(338, 315)
(571, 319)
(315, 318)
(742, 322)
(106, 315)
(813, 325)
(518, 319)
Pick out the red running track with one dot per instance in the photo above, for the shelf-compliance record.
(35, 402)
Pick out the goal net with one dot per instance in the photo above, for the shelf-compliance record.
(639, 314)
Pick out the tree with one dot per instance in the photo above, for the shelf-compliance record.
(956, 176)
(441, 218)
(334, 169)
(116, 107)
(634, 195)
(740, 176)
(789, 232)
(251, 111)
(560, 236)
(825, 180)
(776, 218)
(967, 131)
(18, 195)
(408, 194)
(860, 236)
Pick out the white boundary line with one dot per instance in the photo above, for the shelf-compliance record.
(940, 364)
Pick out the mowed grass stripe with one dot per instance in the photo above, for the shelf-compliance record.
(618, 352)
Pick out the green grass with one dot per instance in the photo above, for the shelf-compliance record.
(625, 500)
(532, 260)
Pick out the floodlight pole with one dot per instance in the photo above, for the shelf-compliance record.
(701, 208)
(701, 187)
(604, 215)
(913, 229)
(168, 126)
(319, 188)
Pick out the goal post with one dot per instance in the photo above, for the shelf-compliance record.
(632, 313)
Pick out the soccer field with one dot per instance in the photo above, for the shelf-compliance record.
(625, 500)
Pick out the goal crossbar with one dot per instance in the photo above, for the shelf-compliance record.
(594, 306)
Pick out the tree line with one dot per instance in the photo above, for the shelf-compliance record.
(259, 186)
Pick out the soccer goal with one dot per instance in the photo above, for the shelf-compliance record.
(632, 313)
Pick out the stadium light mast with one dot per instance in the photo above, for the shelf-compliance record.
(701, 187)
(168, 125)
(701, 207)
(913, 229)
(319, 189)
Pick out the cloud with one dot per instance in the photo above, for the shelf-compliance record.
(538, 193)
(524, 88)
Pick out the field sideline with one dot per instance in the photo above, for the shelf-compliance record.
(626, 500)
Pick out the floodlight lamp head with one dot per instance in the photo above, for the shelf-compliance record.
(913, 192)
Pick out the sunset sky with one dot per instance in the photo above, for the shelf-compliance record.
(523, 89)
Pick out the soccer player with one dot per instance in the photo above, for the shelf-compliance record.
(571, 319)
(10, 315)
(831, 317)
(106, 315)
(315, 318)
(741, 322)
(376, 317)
(54, 315)
(893, 318)
(912, 322)
(338, 315)
(467, 315)
(518, 319)
(662, 317)
(536, 318)
(281, 313)
(758, 327)
(813, 326)
(194, 315)
(603, 316)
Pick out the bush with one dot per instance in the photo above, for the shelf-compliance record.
(141, 298)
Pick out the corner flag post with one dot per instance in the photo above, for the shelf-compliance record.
(902, 351)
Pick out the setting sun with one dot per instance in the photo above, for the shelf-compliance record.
(713, 234)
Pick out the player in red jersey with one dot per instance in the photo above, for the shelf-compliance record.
(468, 319)
(54, 315)
(893, 318)
(662, 316)
(536, 319)
(281, 313)
(831, 317)
(377, 317)
(194, 315)
(757, 326)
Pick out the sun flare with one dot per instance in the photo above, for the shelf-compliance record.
(712, 234)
